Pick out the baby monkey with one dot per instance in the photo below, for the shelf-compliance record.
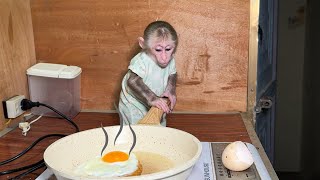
(151, 76)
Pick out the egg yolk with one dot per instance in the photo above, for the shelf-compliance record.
(115, 156)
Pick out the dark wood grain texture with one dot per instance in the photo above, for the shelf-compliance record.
(206, 127)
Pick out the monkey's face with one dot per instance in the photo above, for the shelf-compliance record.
(161, 51)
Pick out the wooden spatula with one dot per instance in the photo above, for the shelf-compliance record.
(153, 117)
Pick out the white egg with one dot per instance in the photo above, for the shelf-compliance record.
(237, 157)
(99, 168)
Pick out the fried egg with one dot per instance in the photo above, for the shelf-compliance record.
(112, 164)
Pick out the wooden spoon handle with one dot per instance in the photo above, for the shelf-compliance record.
(153, 116)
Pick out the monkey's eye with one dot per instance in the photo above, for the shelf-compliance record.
(168, 49)
(158, 50)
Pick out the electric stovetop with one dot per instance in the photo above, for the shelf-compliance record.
(210, 167)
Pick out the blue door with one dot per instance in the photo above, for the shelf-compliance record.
(266, 75)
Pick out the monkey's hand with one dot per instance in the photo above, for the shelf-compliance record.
(144, 94)
(172, 98)
(161, 103)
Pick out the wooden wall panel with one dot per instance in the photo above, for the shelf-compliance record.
(16, 49)
(101, 36)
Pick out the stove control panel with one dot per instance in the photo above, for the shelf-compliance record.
(223, 173)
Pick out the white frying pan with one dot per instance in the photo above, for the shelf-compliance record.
(182, 148)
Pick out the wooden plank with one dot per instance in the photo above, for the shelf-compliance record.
(101, 37)
(16, 49)
(253, 58)
(206, 127)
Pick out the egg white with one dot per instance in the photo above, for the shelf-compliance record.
(97, 167)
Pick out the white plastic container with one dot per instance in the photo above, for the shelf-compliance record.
(56, 85)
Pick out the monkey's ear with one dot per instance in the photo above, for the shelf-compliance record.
(141, 42)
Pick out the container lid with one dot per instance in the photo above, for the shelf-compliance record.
(54, 70)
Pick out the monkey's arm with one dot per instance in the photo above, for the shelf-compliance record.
(170, 91)
(144, 93)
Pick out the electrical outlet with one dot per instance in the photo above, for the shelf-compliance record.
(12, 106)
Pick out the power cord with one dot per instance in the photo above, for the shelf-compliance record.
(38, 165)
(29, 148)
(25, 105)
